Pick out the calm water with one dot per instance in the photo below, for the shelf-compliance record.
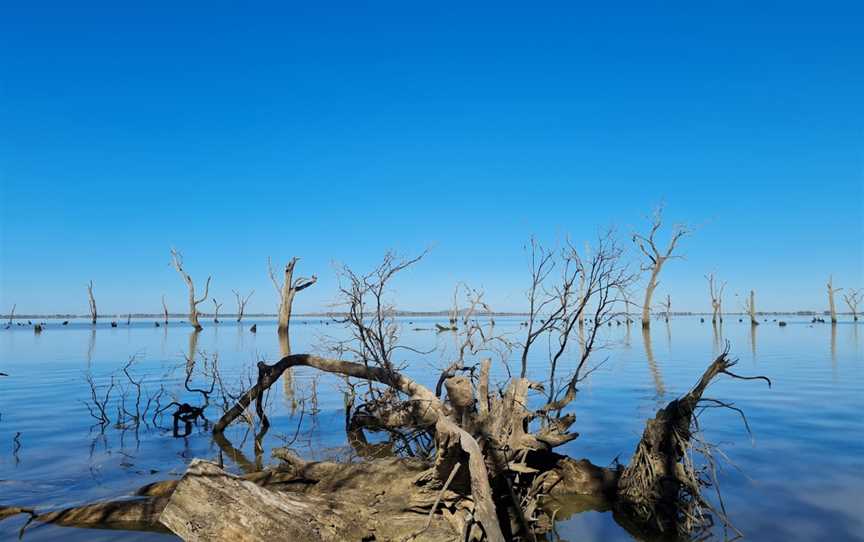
(801, 477)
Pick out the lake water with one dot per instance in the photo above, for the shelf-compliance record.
(800, 476)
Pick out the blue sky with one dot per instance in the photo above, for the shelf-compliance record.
(338, 131)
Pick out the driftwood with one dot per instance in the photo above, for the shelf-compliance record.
(211, 505)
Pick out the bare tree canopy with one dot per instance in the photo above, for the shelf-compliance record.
(287, 290)
(853, 299)
(177, 262)
(715, 289)
(241, 303)
(656, 258)
(216, 307)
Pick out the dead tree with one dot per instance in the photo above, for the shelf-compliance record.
(287, 290)
(92, 299)
(716, 292)
(656, 259)
(241, 303)
(164, 309)
(852, 297)
(750, 307)
(216, 308)
(492, 458)
(177, 262)
(12, 315)
(831, 307)
(667, 307)
(504, 468)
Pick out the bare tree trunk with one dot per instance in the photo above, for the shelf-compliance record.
(287, 290)
(668, 307)
(165, 309)
(751, 308)
(12, 315)
(831, 306)
(177, 261)
(93, 314)
(648, 245)
(649, 293)
(241, 303)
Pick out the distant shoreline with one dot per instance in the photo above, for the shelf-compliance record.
(398, 314)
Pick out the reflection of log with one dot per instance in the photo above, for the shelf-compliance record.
(140, 514)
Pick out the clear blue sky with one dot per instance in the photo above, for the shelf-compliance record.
(339, 131)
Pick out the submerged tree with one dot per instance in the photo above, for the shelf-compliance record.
(715, 289)
(216, 307)
(92, 300)
(177, 262)
(164, 310)
(853, 299)
(656, 258)
(831, 306)
(287, 290)
(241, 303)
(667, 307)
(750, 307)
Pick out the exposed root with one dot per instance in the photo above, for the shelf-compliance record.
(662, 487)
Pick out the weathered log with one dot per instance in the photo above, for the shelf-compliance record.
(211, 505)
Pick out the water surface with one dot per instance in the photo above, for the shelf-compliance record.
(799, 477)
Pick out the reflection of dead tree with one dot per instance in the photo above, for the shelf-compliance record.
(831, 307)
(716, 291)
(287, 290)
(164, 310)
(656, 258)
(92, 299)
(750, 307)
(852, 298)
(177, 262)
(656, 375)
(216, 308)
(241, 303)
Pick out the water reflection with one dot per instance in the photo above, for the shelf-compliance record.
(91, 344)
(52, 464)
(717, 329)
(652, 365)
(193, 349)
(668, 336)
(753, 341)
